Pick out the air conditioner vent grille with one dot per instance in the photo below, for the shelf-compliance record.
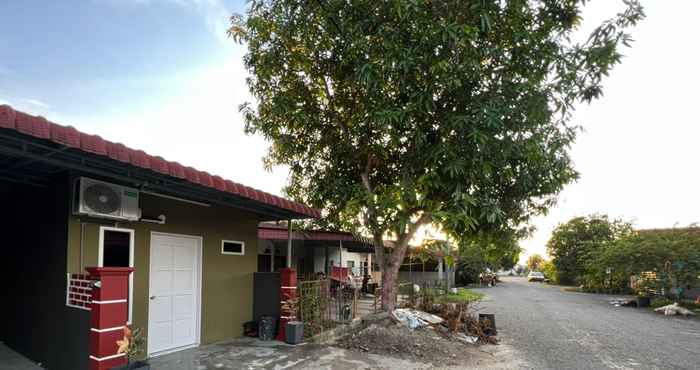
(101, 198)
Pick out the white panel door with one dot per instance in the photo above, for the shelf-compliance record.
(173, 302)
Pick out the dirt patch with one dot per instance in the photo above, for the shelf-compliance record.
(427, 345)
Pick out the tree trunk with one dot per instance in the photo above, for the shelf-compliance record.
(390, 275)
(391, 263)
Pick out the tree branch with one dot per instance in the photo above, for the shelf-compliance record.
(366, 172)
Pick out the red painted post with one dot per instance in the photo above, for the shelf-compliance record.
(108, 315)
(288, 291)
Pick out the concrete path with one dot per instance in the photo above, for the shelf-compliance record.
(561, 330)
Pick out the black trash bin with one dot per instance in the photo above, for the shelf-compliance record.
(643, 301)
(266, 328)
(491, 326)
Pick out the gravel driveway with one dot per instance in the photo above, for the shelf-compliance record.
(552, 329)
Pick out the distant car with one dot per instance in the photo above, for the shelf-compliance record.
(536, 276)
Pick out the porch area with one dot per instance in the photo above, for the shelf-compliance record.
(313, 253)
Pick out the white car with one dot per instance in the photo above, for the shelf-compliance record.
(536, 276)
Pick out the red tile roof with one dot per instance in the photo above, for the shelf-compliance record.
(267, 232)
(41, 128)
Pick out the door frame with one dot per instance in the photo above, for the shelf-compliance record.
(198, 291)
(100, 261)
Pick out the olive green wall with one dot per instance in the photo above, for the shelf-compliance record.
(227, 280)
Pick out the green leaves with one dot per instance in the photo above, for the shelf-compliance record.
(386, 111)
(576, 247)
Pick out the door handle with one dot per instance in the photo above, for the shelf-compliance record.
(152, 297)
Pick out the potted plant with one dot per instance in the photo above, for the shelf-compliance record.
(133, 345)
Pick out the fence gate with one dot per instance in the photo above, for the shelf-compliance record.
(323, 304)
(314, 306)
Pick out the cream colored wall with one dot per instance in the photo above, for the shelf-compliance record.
(227, 280)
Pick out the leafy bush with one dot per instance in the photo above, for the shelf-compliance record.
(575, 245)
(549, 271)
(601, 254)
(673, 254)
(484, 251)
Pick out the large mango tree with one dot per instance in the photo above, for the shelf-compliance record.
(394, 115)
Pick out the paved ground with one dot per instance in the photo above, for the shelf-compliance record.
(248, 353)
(561, 330)
(11, 360)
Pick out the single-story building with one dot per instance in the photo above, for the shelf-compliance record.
(315, 251)
(71, 200)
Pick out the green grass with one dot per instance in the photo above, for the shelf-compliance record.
(463, 296)
(571, 289)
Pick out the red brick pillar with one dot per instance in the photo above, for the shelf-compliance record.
(288, 291)
(108, 315)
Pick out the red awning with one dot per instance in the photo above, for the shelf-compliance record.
(280, 233)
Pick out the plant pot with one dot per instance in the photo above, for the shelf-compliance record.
(295, 332)
(136, 365)
(266, 328)
(643, 301)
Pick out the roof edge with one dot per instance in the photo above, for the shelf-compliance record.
(69, 137)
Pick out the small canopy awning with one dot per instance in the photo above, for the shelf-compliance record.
(313, 238)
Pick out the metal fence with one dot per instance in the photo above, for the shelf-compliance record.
(314, 306)
(323, 304)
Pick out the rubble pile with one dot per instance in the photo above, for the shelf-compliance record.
(674, 309)
(442, 338)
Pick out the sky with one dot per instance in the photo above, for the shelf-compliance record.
(160, 75)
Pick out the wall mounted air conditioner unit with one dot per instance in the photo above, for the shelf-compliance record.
(106, 200)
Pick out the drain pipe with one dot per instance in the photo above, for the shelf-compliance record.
(82, 244)
(289, 243)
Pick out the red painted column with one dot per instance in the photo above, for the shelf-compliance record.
(108, 315)
(288, 291)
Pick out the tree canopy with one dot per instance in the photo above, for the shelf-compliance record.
(396, 114)
(576, 244)
(535, 262)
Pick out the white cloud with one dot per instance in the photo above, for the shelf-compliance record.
(32, 106)
(216, 16)
(214, 12)
(36, 103)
